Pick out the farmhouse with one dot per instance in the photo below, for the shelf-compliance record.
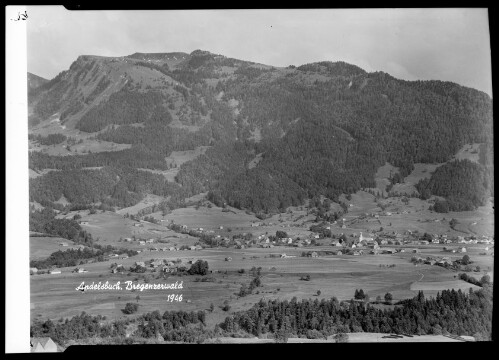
(314, 254)
(140, 263)
(156, 263)
(43, 344)
(63, 244)
(54, 271)
(170, 269)
(116, 268)
(192, 247)
(33, 270)
(79, 270)
(150, 241)
(142, 242)
(463, 249)
(368, 239)
(389, 251)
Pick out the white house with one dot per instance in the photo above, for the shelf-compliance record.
(43, 344)
(54, 271)
(364, 238)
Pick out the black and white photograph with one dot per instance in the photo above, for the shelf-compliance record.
(252, 176)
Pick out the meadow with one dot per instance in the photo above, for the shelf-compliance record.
(332, 275)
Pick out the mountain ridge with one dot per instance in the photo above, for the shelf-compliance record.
(322, 128)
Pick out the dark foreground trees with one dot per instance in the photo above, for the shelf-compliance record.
(465, 314)
(453, 312)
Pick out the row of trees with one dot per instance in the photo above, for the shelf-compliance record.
(451, 311)
(465, 314)
(172, 325)
(139, 156)
(51, 139)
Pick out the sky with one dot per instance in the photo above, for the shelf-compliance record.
(411, 44)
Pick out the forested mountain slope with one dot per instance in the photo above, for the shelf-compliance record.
(321, 128)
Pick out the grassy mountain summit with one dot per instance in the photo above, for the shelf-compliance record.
(317, 129)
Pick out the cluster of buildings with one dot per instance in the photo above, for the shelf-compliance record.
(164, 265)
(441, 261)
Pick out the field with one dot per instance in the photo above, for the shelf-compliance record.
(176, 159)
(108, 227)
(148, 200)
(335, 276)
(42, 247)
(352, 338)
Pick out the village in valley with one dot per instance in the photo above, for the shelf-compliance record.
(296, 254)
(301, 196)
